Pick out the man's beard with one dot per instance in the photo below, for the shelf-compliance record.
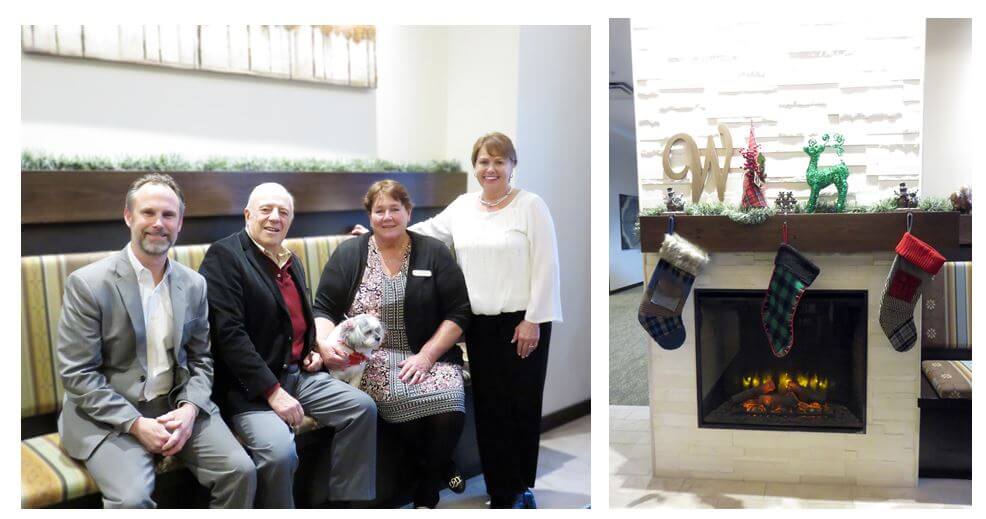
(155, 248)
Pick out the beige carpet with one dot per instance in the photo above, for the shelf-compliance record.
(627, 350)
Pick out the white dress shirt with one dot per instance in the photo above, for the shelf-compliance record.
(508, 257)
(158, 325)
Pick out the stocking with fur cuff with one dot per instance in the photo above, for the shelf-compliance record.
(671, 282)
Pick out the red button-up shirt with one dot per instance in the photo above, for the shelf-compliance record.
(292, 299)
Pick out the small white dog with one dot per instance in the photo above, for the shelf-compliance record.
(359, 336)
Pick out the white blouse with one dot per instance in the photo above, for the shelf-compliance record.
(509, 257)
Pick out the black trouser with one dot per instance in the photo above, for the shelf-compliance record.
(432, 440)
(508, 392)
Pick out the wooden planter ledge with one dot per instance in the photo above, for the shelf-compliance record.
(835, 233)
(92, 196)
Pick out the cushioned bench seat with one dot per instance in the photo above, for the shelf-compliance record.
(949, 378)
(49, 476)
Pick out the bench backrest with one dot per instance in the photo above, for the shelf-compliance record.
(946, 318)
(42, 282)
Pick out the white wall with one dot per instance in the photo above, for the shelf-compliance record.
(624, 265)
(483, 78)
(439, 89)
(858, 77)
(90, 107)
(948, 107)
(411, 93)
(553, 153)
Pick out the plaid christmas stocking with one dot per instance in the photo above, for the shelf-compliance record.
(660, 310)
(916, 262)
(793, 273)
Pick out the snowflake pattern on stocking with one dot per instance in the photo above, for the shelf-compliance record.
(931, 333)
(930, 304)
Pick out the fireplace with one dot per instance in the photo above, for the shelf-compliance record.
(820, 386)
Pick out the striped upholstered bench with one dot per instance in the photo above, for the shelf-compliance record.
(946, 374)
(48, 475)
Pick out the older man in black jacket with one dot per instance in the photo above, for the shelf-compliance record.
(268, 374)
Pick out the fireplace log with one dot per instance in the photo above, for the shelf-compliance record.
(783, 402)
(807, 395)
(753, 392)
(788, 401)
(743, 396)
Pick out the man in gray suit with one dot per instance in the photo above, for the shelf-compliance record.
(133, 354)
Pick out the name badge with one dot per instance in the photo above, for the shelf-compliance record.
(421, 273)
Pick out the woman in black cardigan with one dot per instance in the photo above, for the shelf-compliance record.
(416, 289)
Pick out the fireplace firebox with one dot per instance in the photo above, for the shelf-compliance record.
(819, 386)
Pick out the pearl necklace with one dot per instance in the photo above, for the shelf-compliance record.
(497, 201)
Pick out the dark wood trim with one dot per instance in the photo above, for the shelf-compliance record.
(92, 196)
(839, 233)
(965, 229)
(628, 287)
(931, 353)
(565, 415)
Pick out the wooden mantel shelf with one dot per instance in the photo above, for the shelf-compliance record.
(836, 233)
(91, 196)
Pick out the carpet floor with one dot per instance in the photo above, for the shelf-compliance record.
(628, 344)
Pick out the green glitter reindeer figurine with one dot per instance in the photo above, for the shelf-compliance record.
(819, 178)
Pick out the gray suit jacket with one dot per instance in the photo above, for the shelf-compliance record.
(102, 353)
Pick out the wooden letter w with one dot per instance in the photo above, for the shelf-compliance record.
(693, 162)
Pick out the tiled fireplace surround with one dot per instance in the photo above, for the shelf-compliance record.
(886, 455)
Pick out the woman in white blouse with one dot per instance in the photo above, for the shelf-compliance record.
(504, 241)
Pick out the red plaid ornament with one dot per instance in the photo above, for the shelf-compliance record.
(755, 175)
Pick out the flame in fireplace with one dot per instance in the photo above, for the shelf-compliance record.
(793, 393)
(812, 381)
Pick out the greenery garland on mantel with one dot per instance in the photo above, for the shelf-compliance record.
(33, 160)
(757, 216)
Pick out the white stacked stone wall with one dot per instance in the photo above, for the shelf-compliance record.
(886, 455)
(861, 78)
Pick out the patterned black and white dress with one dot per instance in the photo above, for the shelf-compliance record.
(397, 402)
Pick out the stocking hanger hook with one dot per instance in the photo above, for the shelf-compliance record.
(784, 232)
(910, 220)
(671, 224)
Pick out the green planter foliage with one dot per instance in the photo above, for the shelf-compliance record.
(32, 160)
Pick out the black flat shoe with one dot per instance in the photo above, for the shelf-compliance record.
(456, 483)
(516, 501)
(528, 498)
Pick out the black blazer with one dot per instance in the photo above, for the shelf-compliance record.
(428, 299)
(249, 322)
